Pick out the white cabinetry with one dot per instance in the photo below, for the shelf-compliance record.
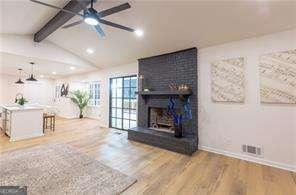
(22, 122)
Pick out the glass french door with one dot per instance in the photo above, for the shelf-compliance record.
(123, 102)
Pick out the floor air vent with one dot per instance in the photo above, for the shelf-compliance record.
(252, 150)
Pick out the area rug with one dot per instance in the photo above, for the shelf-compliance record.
(57, 168)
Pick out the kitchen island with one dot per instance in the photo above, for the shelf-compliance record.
(22, 122)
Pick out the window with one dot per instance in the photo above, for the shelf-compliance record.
(94, 93)
(123, 102)
(57, 92)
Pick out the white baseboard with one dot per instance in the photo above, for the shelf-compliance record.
(26, 137)
(250, 158)
(67, 117)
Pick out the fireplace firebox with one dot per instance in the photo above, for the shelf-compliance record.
(160, 120)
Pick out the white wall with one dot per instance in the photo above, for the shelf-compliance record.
(101, 112)
(41, 92)
(225, 127)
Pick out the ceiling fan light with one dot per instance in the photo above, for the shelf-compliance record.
(91, 21)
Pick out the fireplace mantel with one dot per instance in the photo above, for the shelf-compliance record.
(181, 94)
(165, 93)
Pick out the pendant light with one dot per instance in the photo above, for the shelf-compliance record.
(19, 79)
(31, 77)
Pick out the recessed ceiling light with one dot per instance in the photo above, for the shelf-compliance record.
(72, 68)
(89, 50)
(54, 72)
(139, 33)
(42, 76)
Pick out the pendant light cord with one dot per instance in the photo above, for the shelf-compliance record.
(32, 63)
(20, 73)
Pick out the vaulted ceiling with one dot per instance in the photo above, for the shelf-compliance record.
(167, 26)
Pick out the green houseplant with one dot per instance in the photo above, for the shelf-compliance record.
(21, 101)
(80, 98)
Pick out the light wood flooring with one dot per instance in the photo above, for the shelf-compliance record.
(160, 171)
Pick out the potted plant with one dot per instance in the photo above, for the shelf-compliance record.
(80, 98)
(21, 101)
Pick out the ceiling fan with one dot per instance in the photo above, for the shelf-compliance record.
(94, 18)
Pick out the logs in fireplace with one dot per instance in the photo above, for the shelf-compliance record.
(160, 120)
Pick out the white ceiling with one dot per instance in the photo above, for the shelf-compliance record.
(23, 17)
(167, 25)
(16, 51)
(9, 63)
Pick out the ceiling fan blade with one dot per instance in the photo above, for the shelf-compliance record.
(114, 10)
(73, 24)
(106, 22)
(52, 6)
(100, 31)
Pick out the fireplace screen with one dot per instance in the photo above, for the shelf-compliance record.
(160, 120)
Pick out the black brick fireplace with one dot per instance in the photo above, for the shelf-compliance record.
(154, 123)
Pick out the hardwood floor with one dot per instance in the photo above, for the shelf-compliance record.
(160, 171)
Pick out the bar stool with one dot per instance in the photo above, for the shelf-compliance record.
(48, 121)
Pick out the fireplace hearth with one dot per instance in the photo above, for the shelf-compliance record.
(167, 118)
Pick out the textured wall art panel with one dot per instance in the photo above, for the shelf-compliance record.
(228, 80)
(278, 77)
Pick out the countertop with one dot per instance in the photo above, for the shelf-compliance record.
(21, 108)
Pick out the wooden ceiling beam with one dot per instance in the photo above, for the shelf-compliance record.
(60, 19)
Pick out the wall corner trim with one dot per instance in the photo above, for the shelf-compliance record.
(250, 158)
